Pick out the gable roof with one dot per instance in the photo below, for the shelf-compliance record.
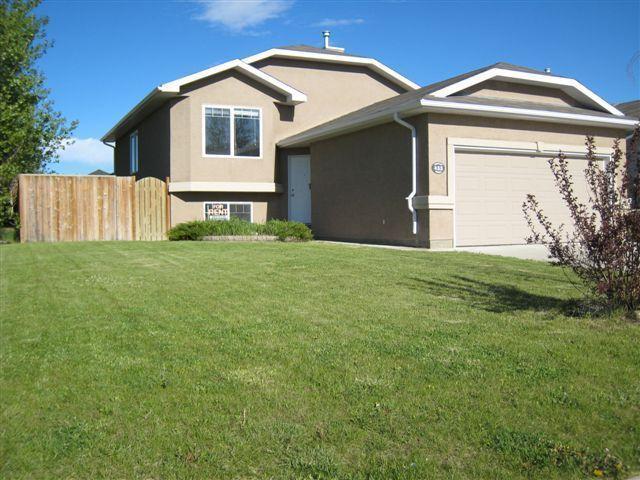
(305, 52)
(631, 108)
(161, 93)
(99, 172)
(458, 78)
(293, 96)
(517, 74)
(426, 99)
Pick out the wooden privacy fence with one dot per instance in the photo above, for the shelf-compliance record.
(59, 208)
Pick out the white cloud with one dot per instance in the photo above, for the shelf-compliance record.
(240, 15)
(338, 22)
(84, 155)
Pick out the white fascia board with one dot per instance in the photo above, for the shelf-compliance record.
(293, 96)
(526, 114)
(375, 118)
(568, 85)
(253, 187)
(375, 65)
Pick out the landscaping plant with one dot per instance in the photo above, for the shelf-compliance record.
(602, 246)
(283, 229)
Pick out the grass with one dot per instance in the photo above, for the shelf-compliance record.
(305, 360)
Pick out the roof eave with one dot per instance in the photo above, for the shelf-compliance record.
(437, 106)
(484, 110)
(171, 89)
(377, 118)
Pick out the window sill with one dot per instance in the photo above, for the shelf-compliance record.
(232, 157)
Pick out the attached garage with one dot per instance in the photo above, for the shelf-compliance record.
(491, 187)
(450, 164)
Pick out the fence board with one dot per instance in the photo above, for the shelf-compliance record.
(56, 208)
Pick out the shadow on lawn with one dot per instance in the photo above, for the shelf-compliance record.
(492, 297)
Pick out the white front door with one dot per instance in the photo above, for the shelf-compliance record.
(300, 188)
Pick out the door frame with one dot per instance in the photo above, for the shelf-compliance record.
(478, 145)
(289, 157)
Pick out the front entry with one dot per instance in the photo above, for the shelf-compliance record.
(300, 188)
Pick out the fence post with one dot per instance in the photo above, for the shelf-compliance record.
(168, 195)
(22, 192)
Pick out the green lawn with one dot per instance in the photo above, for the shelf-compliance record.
(284, 360)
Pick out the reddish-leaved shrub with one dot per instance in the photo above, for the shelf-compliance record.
(602, 246)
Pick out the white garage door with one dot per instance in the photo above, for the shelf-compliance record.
(490, 189)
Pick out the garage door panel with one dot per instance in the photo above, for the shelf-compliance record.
(490, 190)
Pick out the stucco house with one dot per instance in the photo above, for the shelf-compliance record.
(359, 151)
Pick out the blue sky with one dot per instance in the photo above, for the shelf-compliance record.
(109, 54)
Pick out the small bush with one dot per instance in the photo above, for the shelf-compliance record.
(188, 231)
(282, 229)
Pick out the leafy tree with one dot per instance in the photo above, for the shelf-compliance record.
(603, 245)
(31, 131)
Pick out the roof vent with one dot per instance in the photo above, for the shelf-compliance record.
(327, 34)
(547, 70)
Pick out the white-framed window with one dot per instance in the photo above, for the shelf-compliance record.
(226, 210)
(231, 131)
(133, 152)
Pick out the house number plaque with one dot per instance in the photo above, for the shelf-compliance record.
(438, 167)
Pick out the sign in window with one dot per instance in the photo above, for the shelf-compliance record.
(227, 210)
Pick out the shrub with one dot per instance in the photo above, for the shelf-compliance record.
(188, 231)
(603, 247)
(282, 229)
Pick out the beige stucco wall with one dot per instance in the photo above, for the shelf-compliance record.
(359, 185)
(188, 163)
(516, 91)
(332, 90)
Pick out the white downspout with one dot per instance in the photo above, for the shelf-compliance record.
(414, 161)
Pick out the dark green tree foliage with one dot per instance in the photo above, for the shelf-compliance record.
(31, 131)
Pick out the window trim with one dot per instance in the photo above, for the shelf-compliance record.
(137, 161)
(232, 132)
(204, 207)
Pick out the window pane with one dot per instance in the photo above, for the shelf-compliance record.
(216, 211)
(240, 210)
(217, 131)
(247, 129)
(133, 152)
